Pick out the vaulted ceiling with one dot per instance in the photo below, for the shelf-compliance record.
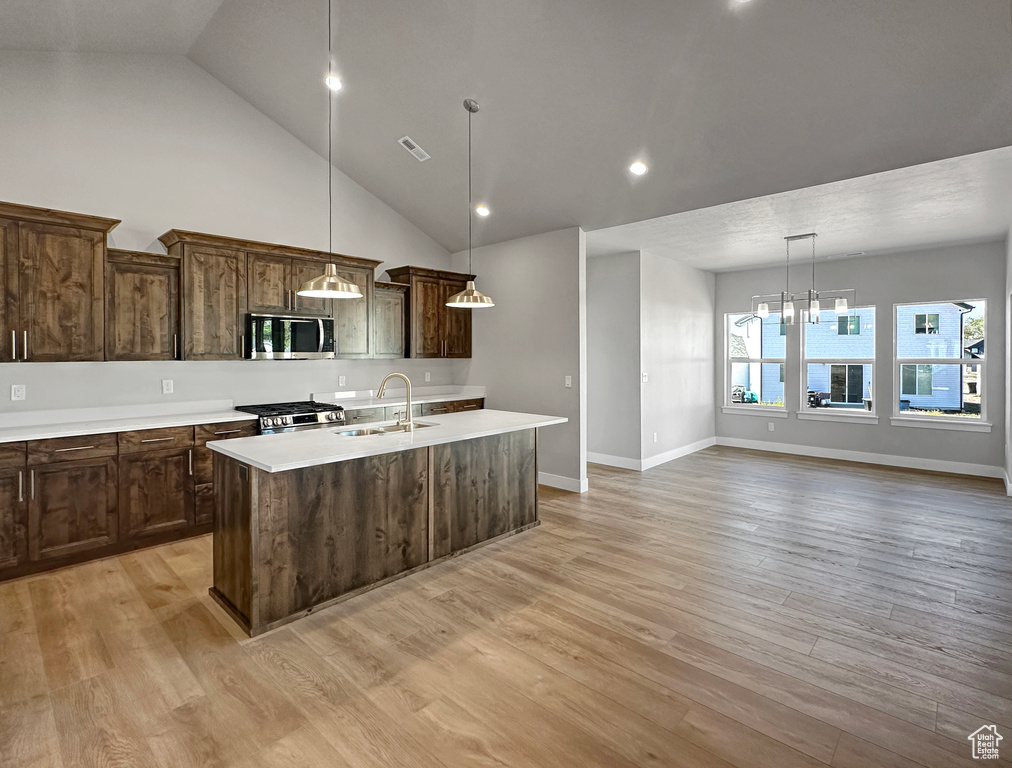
(725, 100)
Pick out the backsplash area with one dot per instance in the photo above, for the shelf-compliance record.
(86, 385)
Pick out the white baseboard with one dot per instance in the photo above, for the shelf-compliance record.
(883, 459)
(565, 483)
(1008, 488)
(614, 461)
(677, 453)
(661, 458)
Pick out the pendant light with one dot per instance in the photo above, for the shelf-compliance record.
(329, 285)
(470, 297)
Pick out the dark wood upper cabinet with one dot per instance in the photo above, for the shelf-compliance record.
(10, 295)
(390, 320)
(142, 306)
(436, 330)
(271, 277)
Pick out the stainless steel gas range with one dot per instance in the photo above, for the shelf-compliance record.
(292, 417)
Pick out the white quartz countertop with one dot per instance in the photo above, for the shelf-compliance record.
(97, 421)
(308, 448)
(396, 397)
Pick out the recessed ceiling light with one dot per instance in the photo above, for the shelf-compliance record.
(482, 210)
(333, 82)
(638, 168)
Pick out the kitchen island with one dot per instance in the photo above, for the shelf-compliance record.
(306, 519)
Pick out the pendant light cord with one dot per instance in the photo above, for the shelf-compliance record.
(330, 131)
(470, 218)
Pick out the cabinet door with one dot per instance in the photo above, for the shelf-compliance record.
(351, 316)
(71, 507)
(214, 303)
(428, 300)
(303, 271)
(142, 308)
(155, 492)
(456, 324)
(10, 291)
(389, 323)
(62, 292)
(13, 523)
(270, 280)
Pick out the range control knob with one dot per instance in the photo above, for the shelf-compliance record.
(332, 416)
(288, 420)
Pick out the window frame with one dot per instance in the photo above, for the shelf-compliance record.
(953, 422)
(842, 414)
(757, 408)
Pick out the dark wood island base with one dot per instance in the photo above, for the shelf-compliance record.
(289, 543)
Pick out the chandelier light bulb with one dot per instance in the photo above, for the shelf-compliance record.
(763, 310)
(841, 306)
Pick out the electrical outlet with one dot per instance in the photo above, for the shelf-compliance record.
(341, 380)
(167, 386)
(770, 425)
(428, 376)
(17, 391)
(655, 437)
(645, 377)
(569, 381)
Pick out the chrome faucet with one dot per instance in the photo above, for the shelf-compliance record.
(406, 422)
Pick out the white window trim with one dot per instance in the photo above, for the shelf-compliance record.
(747, 410)
(956, 423)
(728, 406)
(841, 414)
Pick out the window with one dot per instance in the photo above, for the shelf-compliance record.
(848, 325)
(839, 362)
(754, 372)
(940, 360)
(927, 323)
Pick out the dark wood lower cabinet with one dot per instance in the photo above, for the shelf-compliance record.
(13, 517)
(156, 492)
(71, 507)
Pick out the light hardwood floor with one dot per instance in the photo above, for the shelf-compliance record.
(728, 608)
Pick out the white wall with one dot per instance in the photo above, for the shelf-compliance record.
(533, 338)
(613, 358)
(158, 143)
(676, 311)
(975, 271)
(1008, 361)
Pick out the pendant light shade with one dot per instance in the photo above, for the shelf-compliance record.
(329, 286)
(470, 297)
(841, 306)
(763, 310)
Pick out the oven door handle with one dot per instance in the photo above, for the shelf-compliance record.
(320, 323)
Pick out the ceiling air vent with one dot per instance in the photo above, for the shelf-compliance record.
(420, 154)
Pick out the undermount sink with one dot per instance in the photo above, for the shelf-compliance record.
(363, 431)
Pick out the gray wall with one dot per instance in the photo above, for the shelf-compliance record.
(613, 355)
(975, 271)
(676, 311)
(534, 337)
(1008, 361)
(159, 143)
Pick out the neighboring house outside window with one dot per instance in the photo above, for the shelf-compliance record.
(939, 370)
(755, 359)
(838, 360)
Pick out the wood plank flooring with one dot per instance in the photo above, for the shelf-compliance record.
(730, 608)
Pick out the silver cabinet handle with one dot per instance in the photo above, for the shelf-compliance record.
(295, 299)
(157, 439)
(24, 350)
(191, 461)
(21, 486)
(175, 346)
(228, 432)
(14, 345)
(79, 448)
(33, 483)
(242, 345)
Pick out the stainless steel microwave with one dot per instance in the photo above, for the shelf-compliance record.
(283, 337)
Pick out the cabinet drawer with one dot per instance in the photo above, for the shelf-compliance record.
(224, 431)
(363, 415)
(71, 448)
(12, 455)
(469, 405)
(435, 409)
(145, 440)
(400, 411)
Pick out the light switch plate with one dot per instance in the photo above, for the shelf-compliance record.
(645, 377)
(770, 425)
(428, 376)
(569, 381)
(341, 380)
(167, 386)
(17, 391)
